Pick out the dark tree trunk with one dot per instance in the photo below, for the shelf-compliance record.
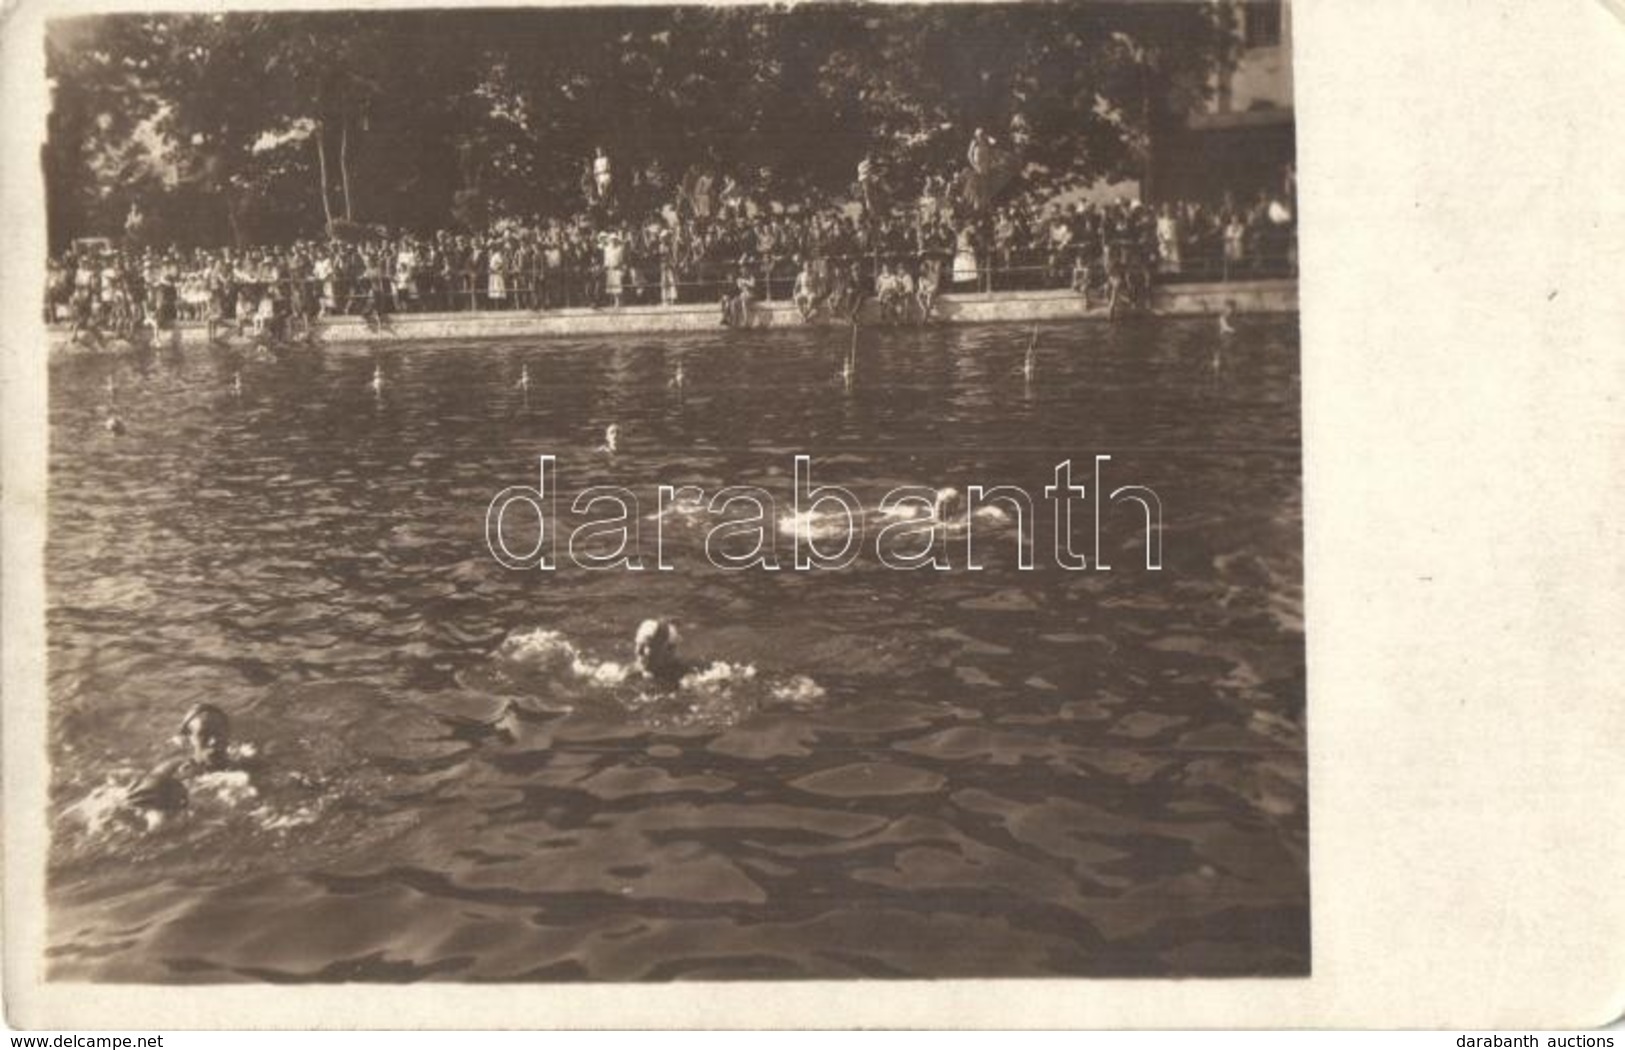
(344, 166)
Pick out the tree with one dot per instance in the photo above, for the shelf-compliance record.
(95, 158)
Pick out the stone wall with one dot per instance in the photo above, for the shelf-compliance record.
(1250, 297)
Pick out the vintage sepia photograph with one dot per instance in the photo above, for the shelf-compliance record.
(670, 492)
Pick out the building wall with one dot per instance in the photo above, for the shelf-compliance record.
(1262, 79)
(1204, 164)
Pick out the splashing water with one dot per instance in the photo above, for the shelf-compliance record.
(544, 663)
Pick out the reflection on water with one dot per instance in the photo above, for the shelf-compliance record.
(876, 773)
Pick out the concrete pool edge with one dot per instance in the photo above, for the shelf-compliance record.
(1274, 296)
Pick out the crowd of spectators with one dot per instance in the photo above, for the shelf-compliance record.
(828, 260)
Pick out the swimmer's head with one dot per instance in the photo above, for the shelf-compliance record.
(612, 436)
(950, 505)
(654, 649)
(206, 734)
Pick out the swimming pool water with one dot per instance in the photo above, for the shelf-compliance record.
(890, 774)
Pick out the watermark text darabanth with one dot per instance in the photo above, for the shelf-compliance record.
(911, 527)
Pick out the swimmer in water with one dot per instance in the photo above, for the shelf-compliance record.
(678, 378)
(1227, 318)
(205, 734)
(112, 424)
(950, 508)
(1030, 363)
(524, 378)
(612, 439)
(656, 683)
(236, 384)
(377, 383)
(654, 653)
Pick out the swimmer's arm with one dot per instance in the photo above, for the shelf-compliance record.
(169, 769)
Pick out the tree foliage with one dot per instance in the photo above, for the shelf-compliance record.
(259, 126)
